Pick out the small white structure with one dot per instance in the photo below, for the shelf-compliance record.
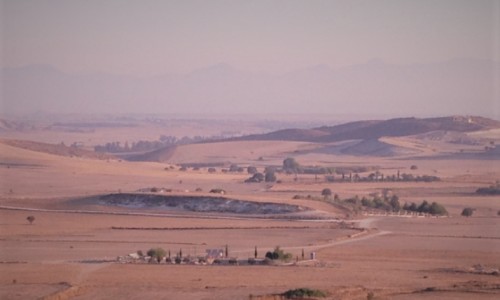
(215, 253)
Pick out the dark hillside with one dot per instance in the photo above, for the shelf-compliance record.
(364, 130)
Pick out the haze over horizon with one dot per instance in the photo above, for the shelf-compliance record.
(395, 58)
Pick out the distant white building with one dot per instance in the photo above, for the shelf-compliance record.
(215, 253)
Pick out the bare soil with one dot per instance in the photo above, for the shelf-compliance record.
(69, 251)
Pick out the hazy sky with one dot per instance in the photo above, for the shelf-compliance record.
(146, 37)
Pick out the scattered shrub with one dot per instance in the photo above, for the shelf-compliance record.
(257, 177)
(270, 176)
(251, 170)
(290, 165)
(30, 219)
(467, 212)
(370, 296)
(217, 191)
(303, 293)
(326, 192)
(491, 190)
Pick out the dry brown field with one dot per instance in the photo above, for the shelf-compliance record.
(70, 250)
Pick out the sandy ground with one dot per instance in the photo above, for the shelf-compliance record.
(66, 252)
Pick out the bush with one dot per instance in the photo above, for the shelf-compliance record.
(437, 209)
(235, 168)
(31, 219)
(326, 192)
(491, 190)
(157, 253)
(278, 254)
(290, 165)
(303, 293)
(217, 191)
(251, 170)
(270, 176)
(467, 212)
(257, 177)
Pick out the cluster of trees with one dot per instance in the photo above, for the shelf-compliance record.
(143, 146)
(380, 177)
(278, 254)
(434, 208)
(269, 175)
(386, 201)
(158, 254)
(291, 166)
(491, 190)
(140, 146)
(351, 174)
(303, 293)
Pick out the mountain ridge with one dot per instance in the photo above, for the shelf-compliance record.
(449, 87)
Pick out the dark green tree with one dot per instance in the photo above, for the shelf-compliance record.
(467, 212)
(31, 219)
(326, 192)
(270, 176)
(437, 209)
(290, 165)
(251, 170)
(157, 253)
(394, 202)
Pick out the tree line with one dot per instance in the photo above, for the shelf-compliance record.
(144, 145)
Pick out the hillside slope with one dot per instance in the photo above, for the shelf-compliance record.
(59, 149)
(370, 130)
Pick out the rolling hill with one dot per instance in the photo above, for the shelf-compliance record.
(369, 130)
(59, 149)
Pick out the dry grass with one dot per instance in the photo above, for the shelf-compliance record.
(398, 260)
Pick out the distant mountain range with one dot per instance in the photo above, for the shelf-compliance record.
(459, 86)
